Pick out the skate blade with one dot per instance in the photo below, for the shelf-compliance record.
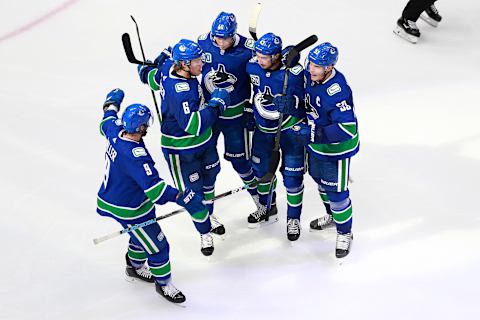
(330, 229)
(402, 34)
(133, 279)
(182, 305)
(271, 220)
(219, 236)
(429, 20)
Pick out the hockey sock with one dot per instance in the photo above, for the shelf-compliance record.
(161, 271)
(137, 255)
(294, 197)
(342, 215)
(324, 197)
(208, 195)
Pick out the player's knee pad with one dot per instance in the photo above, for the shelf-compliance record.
(293, 184)
(241, 165)
(338, 196)
(340, 205)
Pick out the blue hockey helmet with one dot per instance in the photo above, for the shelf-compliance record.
(186, 50)
(325, 54)
(224, 25)
(135, 116)
(268, 44)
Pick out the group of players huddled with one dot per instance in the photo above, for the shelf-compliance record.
(240, 92)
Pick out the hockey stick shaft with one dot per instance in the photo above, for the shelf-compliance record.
(153, 220)
(144, 61)
(252, 26)
(275, 161)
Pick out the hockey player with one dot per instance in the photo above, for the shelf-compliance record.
(406, 25)
(187, 136)
(332, 139)
(131, 188)
(267, 72)
(226, 56)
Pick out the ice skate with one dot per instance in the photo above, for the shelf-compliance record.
(143, 273)
(407, 30)
(218, 229)
(293, 229)
(431, 16)
(206, 243)
(343, 244)
(261, 217)
(323, 223)
(170, 293)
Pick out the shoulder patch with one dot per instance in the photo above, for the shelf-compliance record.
(333, 89)
(253, 60)
(203, 36)
(250, 44)
(139, 152)
(118, 122)
(182, 86)
(296, 70)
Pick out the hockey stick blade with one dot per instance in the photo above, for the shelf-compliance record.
(127, 46)
(252, 25)
(272, 167)
(299, 48)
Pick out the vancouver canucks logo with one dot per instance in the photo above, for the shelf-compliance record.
(311, 110)
(219, 78)
(262, 101)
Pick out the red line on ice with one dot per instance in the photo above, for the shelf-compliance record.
(37, 21)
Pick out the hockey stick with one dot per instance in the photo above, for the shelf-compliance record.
(127, 46)
(252, 25)
(275, 161)
(144, 62)
(173, 213)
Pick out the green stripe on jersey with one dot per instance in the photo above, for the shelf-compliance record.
(335, 149)
(151, 80)
(194, 123)
(233, 112)
(125, 213)
(154, 193)
(186, 142)
(102, 122)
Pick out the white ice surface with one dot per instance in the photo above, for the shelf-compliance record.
(415, 190)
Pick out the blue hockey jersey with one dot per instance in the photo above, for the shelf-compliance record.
(330, 108)
(186, 118)
(226, 69)
(268, 84)
(131, 185)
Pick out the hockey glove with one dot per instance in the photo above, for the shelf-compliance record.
(191, 201)
(249, 118)
(220, 99)
(286, 104)
(285, 56)
(301, 132)
(114, 98)
(143, 71)
(162, 57)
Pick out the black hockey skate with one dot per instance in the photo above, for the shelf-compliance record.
(206, 244)
(407, 30)
(343, 245)
(293, 229)
(142, 273)
(262, 217)
(170, 293)
(431, 16)
(322, 223)
(217, 227)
